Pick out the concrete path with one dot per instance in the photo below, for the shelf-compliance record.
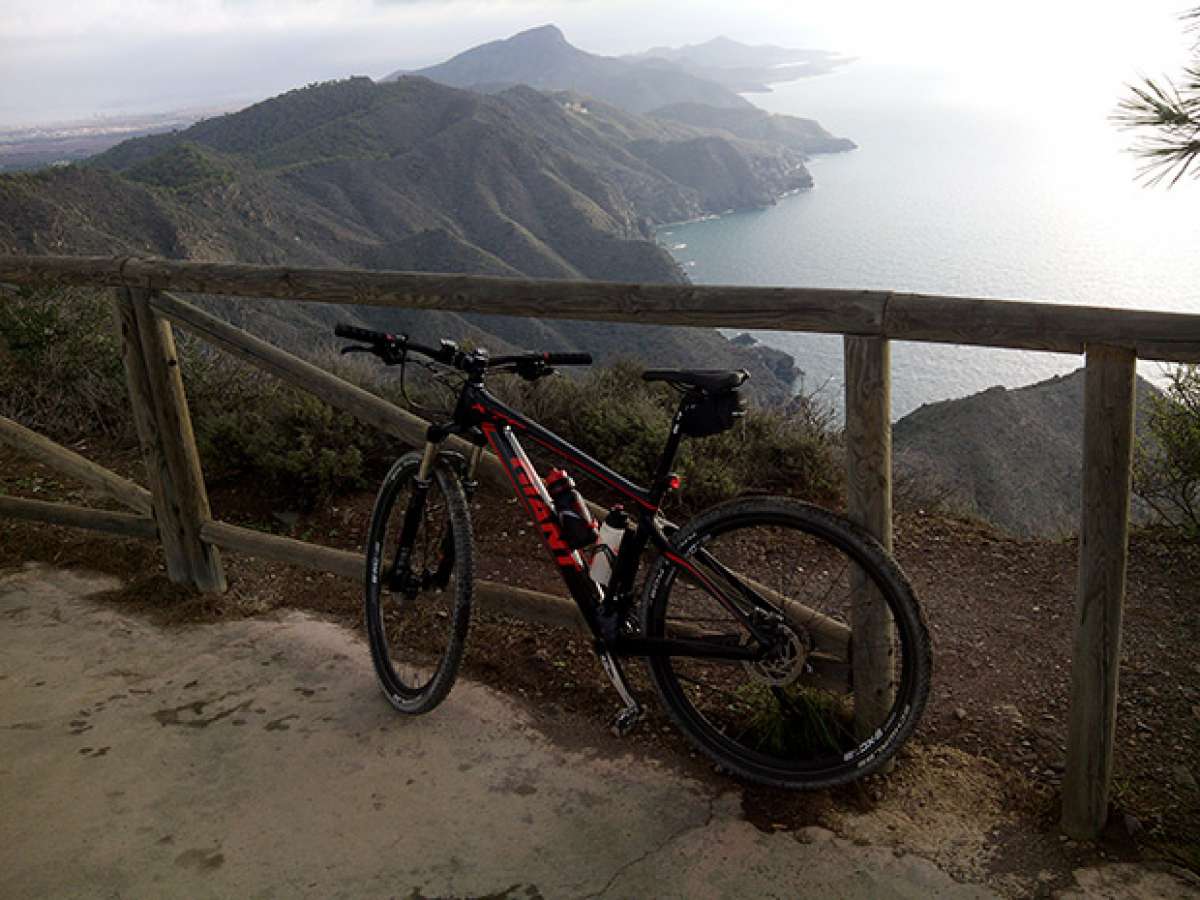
(257, 759)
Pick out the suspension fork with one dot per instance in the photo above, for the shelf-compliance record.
(396, 577)
(470, 483)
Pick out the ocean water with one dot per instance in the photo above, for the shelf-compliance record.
(948, 194)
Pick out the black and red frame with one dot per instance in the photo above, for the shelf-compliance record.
(487, 421)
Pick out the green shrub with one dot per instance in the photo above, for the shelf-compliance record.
(61, 374)
(1167, 466)
(60, 365)
(617, 417)
(289, 442)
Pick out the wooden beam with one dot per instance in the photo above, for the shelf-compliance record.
(283, 549)
(141, 405)
(1060, 328)
(489, 597)
(1054, 327)
(188, 499)
(70, 463)
(869, 504)
(734, 307)
(1109, 397)
(364, 405)
(78, 517)
(186, 503)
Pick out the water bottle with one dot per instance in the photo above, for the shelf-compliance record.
(574, 518)
(611, 534)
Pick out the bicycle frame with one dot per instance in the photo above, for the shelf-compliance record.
(485, 420)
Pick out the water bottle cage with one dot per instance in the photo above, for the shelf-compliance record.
(578, 532)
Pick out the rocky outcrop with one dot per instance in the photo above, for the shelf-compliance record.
(804, 135)
(1012, 457)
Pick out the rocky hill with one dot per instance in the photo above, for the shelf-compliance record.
(1010, 457)
(415, 175)
(543, 58)
(669, 89)
(754, 124)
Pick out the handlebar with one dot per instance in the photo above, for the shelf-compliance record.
(354, 333)
(392, 349)
(549, 359)
(568, 359)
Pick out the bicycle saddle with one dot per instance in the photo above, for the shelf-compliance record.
(710, 381)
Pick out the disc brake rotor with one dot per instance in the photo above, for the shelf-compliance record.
(786, 664)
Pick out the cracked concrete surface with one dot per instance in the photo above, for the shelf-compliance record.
(256, 758)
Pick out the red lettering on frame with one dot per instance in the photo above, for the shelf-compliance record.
(525, 483)
(554, 537)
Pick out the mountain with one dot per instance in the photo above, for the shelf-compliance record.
(742, 67)
(754, 124)
(1011, 457)
(419, 176)
(542, 58)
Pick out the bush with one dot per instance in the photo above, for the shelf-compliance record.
(617, 417)
(61, 374)
(60, 365)
(291, 443)
(1167, 466)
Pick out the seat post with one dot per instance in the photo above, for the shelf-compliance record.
(658, 487)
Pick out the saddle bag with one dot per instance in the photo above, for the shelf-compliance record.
(708, 414)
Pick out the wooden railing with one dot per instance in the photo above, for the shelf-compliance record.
(175, 509)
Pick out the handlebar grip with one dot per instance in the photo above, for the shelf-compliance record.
(568, 359)
(354, 333)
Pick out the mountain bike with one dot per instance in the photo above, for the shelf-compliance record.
(757, 619)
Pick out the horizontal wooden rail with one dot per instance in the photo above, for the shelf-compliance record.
(489, 596)
(906, 317)
(78, 517)
(70, 463)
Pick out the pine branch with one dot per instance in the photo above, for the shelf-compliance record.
(1170, 113)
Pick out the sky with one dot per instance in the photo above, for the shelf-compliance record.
(76, 59)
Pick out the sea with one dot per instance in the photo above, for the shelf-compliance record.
(948, 193)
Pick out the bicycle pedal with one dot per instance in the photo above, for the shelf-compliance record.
(625, 720)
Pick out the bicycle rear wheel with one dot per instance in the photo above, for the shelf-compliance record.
(418, 591)
(793, 719)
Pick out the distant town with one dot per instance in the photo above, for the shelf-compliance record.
(60, 143)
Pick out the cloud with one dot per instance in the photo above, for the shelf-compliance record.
(81, 55)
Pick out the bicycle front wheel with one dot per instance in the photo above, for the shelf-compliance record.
(418, 584)
(848, 675)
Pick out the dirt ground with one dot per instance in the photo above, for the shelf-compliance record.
(976, 791)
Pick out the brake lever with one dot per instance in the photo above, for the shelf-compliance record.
(533, 370)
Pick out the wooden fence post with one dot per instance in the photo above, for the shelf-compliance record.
(1103, 549)
(168, 444)
(869, 504)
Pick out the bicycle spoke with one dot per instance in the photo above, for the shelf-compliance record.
(416, 633)
(790, 717)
